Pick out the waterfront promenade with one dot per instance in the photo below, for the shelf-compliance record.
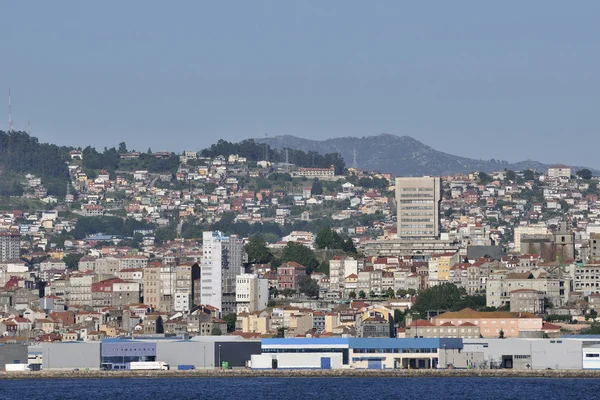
(345, 373)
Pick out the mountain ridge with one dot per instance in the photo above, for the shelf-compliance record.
(400, 155)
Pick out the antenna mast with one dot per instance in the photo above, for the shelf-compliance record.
(10, 121)
(354, 162)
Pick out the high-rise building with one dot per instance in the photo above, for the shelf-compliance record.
(10, 245)
(223, 259)
(251, 293)
(418, 202)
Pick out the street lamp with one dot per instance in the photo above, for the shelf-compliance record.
(220, 366)
(445, 357)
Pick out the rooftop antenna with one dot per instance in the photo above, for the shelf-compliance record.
(287, 155)
(354, 162)
(10, 121)
(29, 127)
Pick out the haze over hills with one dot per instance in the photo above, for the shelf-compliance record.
(399, 155)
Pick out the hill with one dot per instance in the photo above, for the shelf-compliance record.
(23, 154)
(399, 155)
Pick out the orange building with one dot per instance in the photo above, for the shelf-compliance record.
(490, 323)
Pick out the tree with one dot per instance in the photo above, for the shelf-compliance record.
(501, 334)
(362, 294)
(352, 295)
(317, 187)
(308, 286)
(257, 250)
(349, 246)
(511, 175)
(528, 175)
(389, 293)
(584, 174)
(288, 292)
(216, 331)
(484, 178)
(324, 238)
(437, 298)
(72, 260)
(122, 147)
(300, 254)
(398, 317)
(371, 294)
(230, 319)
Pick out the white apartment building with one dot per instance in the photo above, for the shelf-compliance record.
(339, 269)
(251, 293)
(223, 259)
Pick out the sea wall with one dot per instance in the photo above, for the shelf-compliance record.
(240, 373)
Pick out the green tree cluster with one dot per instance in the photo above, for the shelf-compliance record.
(255, 151)
(308, 286)
(330, 239)
(21, 154)
(301, 254)
(257, 250)
(446, 297)
(109, 225)
(72, 260)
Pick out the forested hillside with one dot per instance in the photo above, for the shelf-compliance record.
(24, 154)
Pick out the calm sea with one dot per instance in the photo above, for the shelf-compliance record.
(302, 388)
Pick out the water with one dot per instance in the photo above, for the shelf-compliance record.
(301, 388)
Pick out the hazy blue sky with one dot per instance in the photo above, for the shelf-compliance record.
(506, 79)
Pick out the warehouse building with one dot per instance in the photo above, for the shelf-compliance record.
(71, 355)
(563, 353)
(12, 353)
(366, 353)
(201, 352)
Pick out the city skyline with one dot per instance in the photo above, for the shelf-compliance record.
(196, 72)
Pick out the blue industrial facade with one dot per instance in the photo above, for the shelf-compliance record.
(408, 345)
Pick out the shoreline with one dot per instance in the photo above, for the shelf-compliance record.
(341, 373)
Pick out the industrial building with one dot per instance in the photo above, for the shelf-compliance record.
(567, 353)
(428, 353)
(367, 353)
(118, 353)
(12, 353)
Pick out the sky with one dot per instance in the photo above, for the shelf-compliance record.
(510, 80)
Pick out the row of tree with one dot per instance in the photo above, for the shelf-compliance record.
(260, 151)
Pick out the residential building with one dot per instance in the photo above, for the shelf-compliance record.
(251, 293)
(288, 275)
(493, 324)
(10, 245)
(223, 259)
(418, 203)
(527, 300)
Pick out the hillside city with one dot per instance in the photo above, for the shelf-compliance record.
(224, 247)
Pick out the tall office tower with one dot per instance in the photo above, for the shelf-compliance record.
(223, 259)
(418, 202)
(10, 245)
